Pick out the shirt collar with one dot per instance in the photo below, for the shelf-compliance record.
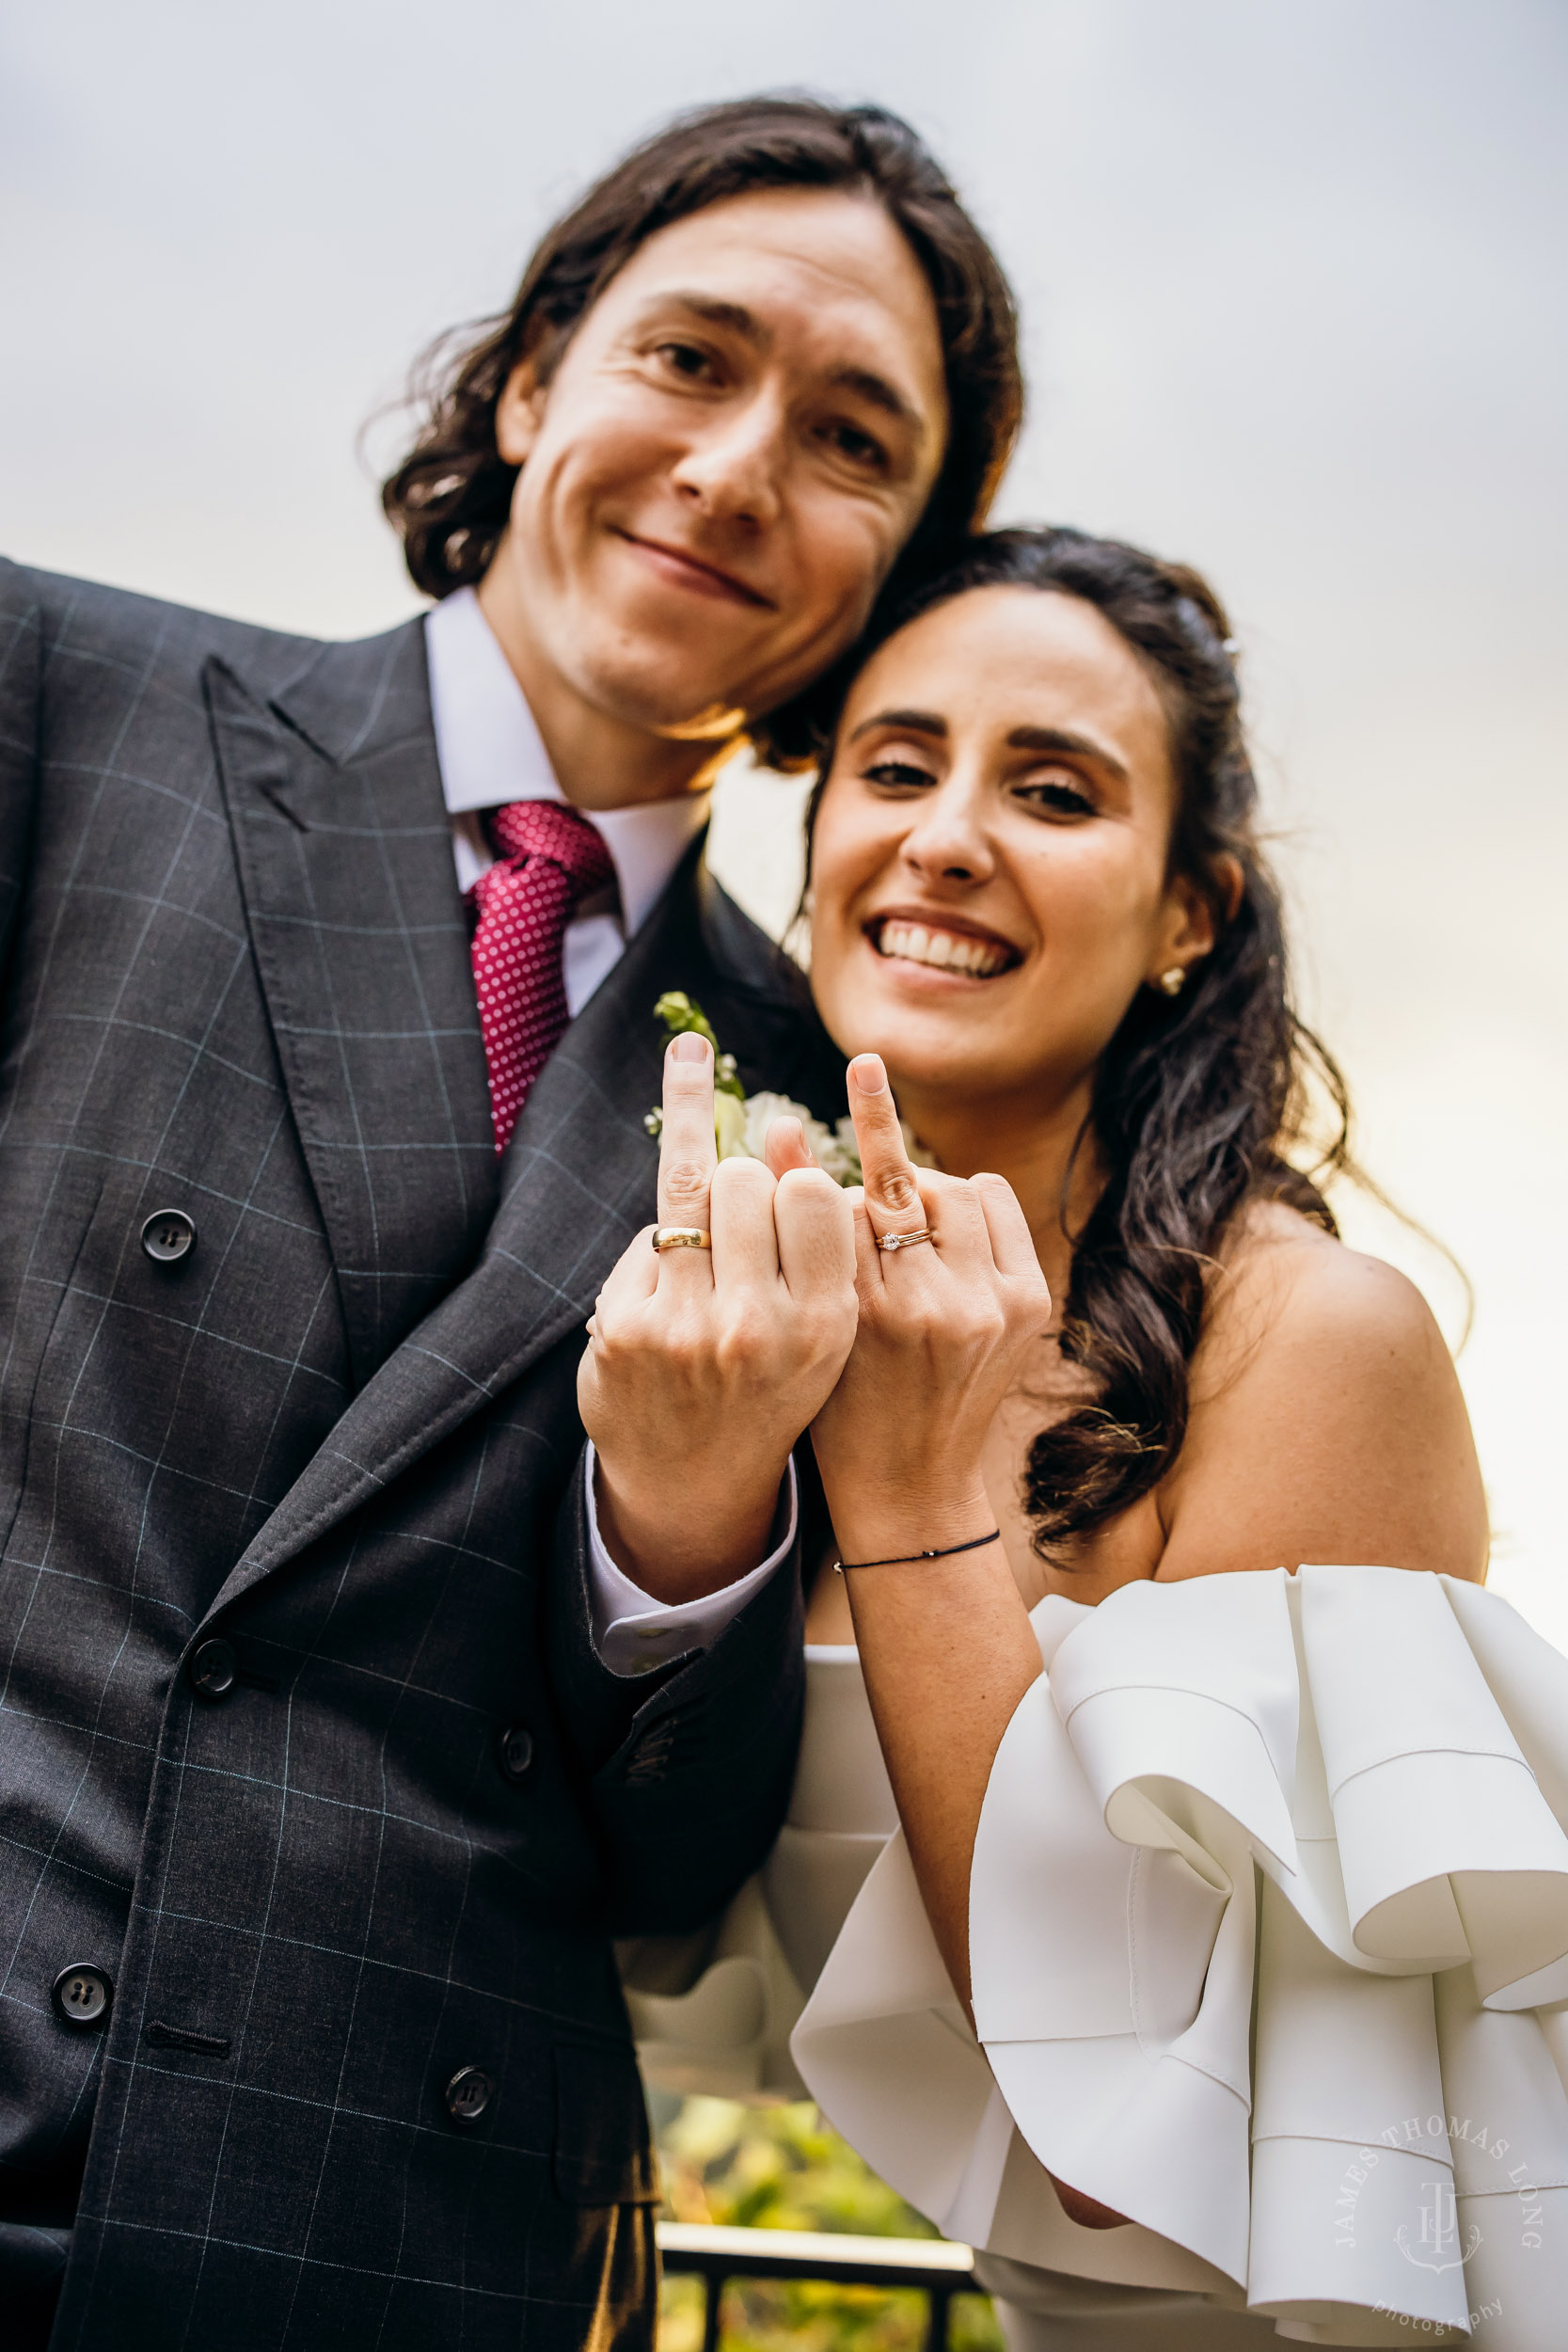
(490, 751)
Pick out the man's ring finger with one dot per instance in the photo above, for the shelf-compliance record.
(681, 1237)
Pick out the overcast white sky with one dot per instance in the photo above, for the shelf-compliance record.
(1291, 277)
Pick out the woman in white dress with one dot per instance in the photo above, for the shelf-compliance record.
(1210, 1985)
(1039, 908)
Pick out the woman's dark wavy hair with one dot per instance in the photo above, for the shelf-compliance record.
(1199, 1100)
(449, 497)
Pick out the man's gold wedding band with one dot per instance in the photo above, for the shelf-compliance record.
(903, 1241)
(681, 1237)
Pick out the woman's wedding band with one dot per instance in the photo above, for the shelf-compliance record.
(903, 1241)
(681, 1237)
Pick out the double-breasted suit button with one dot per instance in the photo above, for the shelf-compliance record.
(650, 1757)
(167, 1236)
(469, 2093)
(515, 1750)
(213, 1670)
(82, 1993)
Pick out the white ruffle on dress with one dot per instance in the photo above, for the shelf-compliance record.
(1269, 1939)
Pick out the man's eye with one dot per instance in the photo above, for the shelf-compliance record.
(688, 360)
(899, 775)
(862, 448)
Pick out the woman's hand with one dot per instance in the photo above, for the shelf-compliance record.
(946, 1645)
(944, 1326)
(704, 1366)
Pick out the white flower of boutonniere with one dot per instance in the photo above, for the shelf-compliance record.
(741, 1121)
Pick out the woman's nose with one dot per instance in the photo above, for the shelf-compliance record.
(948, 841)
(732, 469)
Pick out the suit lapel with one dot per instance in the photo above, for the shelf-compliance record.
(358, 931)
(577, 1183)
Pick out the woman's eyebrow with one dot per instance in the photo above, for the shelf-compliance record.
(918, 722)
(1062, 739)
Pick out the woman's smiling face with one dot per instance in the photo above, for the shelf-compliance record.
(990, 884)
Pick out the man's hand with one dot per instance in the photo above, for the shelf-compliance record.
(706, 1365)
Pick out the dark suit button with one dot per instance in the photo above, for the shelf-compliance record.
(168, 1235)
(651, 1757)
(516, 1751)
(469, 2093)
(82, 1995)
(212, 1670)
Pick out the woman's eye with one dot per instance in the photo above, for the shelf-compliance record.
(1055, 797)
(897, 775)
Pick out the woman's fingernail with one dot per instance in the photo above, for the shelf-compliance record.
(870, 1076)
(688, 1046)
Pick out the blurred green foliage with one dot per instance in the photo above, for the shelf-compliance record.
(780, 2167)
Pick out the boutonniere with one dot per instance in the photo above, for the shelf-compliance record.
(741, 1121)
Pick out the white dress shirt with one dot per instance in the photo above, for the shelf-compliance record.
(490, 752)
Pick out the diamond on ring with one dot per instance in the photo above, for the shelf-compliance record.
(904, 1241)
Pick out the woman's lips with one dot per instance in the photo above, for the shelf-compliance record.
(693, 573)
(938, 949)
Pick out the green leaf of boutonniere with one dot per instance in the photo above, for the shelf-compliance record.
(678, 1014)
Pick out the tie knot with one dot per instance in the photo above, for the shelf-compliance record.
(552, 830)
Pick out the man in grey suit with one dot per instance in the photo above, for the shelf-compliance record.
(337, 1739)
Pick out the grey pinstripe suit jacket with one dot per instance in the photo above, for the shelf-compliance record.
(342, 1433)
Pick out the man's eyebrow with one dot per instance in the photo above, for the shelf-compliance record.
(718, 312)
(877, 391)
(918, 722)
(1062, 739)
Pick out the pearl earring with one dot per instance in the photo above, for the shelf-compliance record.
(1174, 981)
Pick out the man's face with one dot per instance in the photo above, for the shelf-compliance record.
(736, 443)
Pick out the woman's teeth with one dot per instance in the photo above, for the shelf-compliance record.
(951, 951)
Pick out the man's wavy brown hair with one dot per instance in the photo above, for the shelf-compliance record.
(449, 497)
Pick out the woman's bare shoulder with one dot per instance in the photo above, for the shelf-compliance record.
(1327, 1421)
(1286, 1284)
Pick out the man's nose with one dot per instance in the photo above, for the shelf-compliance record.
(734, 467)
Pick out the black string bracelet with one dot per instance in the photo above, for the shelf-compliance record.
(905, 1559)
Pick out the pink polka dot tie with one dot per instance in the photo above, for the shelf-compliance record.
(547, 859)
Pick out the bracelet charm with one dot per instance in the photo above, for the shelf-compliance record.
(907, 1559)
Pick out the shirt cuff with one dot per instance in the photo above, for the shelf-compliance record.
(634, 1633)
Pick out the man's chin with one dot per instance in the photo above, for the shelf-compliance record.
(720, 722)
(660, 696)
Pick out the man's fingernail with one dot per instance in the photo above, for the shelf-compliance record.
(870, 1076)
(688, 1046)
